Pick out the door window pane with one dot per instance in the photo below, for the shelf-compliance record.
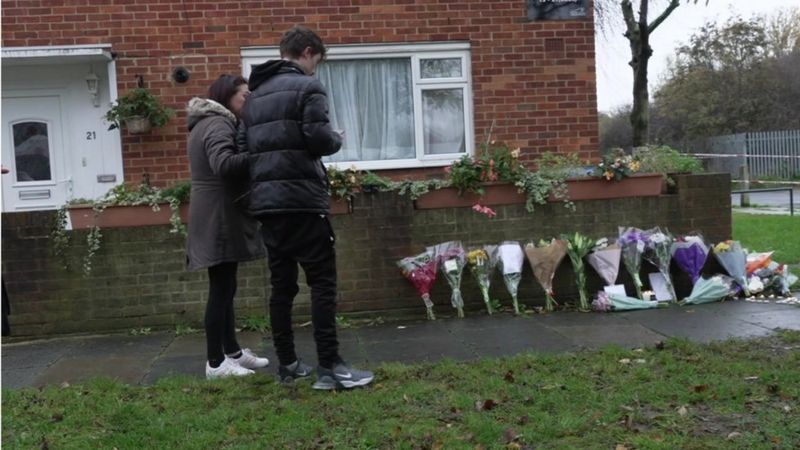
(440, 68)
(443, 121)
(32, 151)
(372, 101)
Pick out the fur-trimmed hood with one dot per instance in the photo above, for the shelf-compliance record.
(200, 108)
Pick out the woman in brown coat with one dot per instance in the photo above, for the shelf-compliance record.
(220, 235)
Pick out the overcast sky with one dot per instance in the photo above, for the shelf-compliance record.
(614, 75)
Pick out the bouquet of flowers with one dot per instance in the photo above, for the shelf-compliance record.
(544, 260)
(420, 270)
(452, 260)
(708, 290)
(733, 258)
(690, 253)
(617, 165)
(775, 279)
(755, 261)
(604, 258)
(579, 246)
(481, 265)
(660, 245)
(633, 242)
(509, 259)
(617, 302)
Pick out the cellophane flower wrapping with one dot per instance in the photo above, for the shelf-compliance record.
(509, 261)
(544, 260)
(452, 259)
(633, 242)
(605, 302)
(713, 289)
(659, 246)
(578, 246)
(481, 264)
(605, 258)
(420, 270)
(690, 253)
(733, 258)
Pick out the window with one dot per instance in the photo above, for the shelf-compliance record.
(400, 106)
(32, 151)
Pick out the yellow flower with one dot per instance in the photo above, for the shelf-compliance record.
(635, 166)
(722, 247)
(473, 256)
(515, 153)
(609, 175)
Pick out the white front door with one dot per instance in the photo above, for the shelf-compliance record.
(33, 152)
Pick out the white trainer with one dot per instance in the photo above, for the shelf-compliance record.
(228, 368)
(250, 360)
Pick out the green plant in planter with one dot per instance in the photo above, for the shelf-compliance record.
(372, 182)
(666, 160)
(120, 195)
(139, 104)
(344, 183)
(465, 176)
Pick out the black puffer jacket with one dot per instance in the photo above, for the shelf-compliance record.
(288, 131)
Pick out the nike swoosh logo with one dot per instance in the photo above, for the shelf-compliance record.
(346, 376)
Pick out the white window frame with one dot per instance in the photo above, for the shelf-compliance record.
(415, 52)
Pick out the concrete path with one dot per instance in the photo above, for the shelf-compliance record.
(145, 359)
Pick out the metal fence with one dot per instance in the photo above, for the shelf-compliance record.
(768, 154)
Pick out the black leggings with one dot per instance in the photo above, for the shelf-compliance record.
(220, 321)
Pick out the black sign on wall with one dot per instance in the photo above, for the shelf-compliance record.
(557, 9)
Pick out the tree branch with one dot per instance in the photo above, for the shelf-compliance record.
(672, 5)
(630, 20)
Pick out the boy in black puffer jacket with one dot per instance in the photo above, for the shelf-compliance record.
(288, 131)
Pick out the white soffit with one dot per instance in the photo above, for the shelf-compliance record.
(64, 54)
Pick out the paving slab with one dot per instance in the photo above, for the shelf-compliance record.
(521, 335)
(127, 369)
(629, 335)
(418, 350)
(697, 323)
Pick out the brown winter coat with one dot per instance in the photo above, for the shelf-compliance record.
(218, 229)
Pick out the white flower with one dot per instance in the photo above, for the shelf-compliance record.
(658, 238)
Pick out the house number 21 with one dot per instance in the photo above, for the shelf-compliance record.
(91, 135)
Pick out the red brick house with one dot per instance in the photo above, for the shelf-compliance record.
(416, 84)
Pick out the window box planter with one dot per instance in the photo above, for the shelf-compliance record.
(495, 195)
(639, 185)
(83, 216)
(341, 206)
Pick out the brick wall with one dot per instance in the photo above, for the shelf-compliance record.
(138, 277)
(534, 80)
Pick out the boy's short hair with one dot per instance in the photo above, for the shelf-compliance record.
(297, 39)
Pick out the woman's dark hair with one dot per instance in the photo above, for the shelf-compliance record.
(224, 88)
(297, 39)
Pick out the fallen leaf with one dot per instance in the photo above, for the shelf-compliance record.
(776, 440)
(640, 361)
(510, 435)
(523, 420)
(486, 405)
(186, 390)
(733, 435)
(773, 388)
(406, 399)
(513, 446)
(620, 447)
(660, 345)
(682, 411)
(509, 377)
(438, 445)
(787, 408)
(638, 350)
(44, 445)
(700, 387)
(57, 417)
(65, 385)
(396, 432)
(624, 361)
(750, 378)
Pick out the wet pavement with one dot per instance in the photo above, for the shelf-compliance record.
(145, 359)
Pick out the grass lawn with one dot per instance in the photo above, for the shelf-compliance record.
(764, 232)
(735, 394)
